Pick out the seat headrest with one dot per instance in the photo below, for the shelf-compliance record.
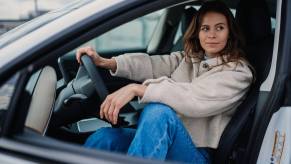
(187, 17)
(254, 20)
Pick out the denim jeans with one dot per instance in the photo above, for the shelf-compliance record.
(160, 135)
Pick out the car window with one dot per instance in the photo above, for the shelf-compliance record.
(273, 23)
(29, 26)
(133, 35)
(6, 91)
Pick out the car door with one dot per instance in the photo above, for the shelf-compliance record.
(271, 131)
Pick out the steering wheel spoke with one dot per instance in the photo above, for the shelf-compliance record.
(95, 76)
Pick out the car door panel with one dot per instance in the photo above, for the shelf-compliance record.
(276, 145)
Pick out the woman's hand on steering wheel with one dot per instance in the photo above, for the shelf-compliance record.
(114, 102)
(96, 58)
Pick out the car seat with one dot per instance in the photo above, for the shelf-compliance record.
(186, 19)
(254, 21)
(42, 86)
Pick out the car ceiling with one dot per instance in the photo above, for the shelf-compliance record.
(272, 4)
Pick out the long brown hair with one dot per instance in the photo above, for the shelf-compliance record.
(232, 50)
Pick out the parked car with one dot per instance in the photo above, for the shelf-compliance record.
(49, 103)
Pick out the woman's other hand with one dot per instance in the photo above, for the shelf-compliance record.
(97, 59)
(114, 102)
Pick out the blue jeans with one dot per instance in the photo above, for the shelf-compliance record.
(160, 135)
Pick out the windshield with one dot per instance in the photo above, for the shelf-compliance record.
(39, 21)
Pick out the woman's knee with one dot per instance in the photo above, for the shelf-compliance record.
(111, 139)
(103, 138)
(156, 112)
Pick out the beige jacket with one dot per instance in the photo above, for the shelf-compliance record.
(203, 93)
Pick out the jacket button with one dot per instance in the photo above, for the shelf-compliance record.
(205, 65)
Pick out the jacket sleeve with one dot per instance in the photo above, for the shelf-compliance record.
(202, 97)
(141, 66)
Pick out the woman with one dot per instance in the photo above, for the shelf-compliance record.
(192, 94)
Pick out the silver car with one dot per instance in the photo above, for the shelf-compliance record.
(49, 103)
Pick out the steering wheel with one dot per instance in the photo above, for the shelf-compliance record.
(82, 84)
(74, 101)
(95, 76)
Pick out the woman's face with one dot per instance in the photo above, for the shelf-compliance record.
(213, 33)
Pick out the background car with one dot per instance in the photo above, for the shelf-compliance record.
(50, 103)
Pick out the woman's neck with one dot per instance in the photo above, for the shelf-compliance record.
(211, 55)
(206, 56)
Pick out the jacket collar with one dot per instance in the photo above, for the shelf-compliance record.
(211, 62)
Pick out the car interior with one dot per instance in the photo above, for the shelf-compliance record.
(70, 94)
